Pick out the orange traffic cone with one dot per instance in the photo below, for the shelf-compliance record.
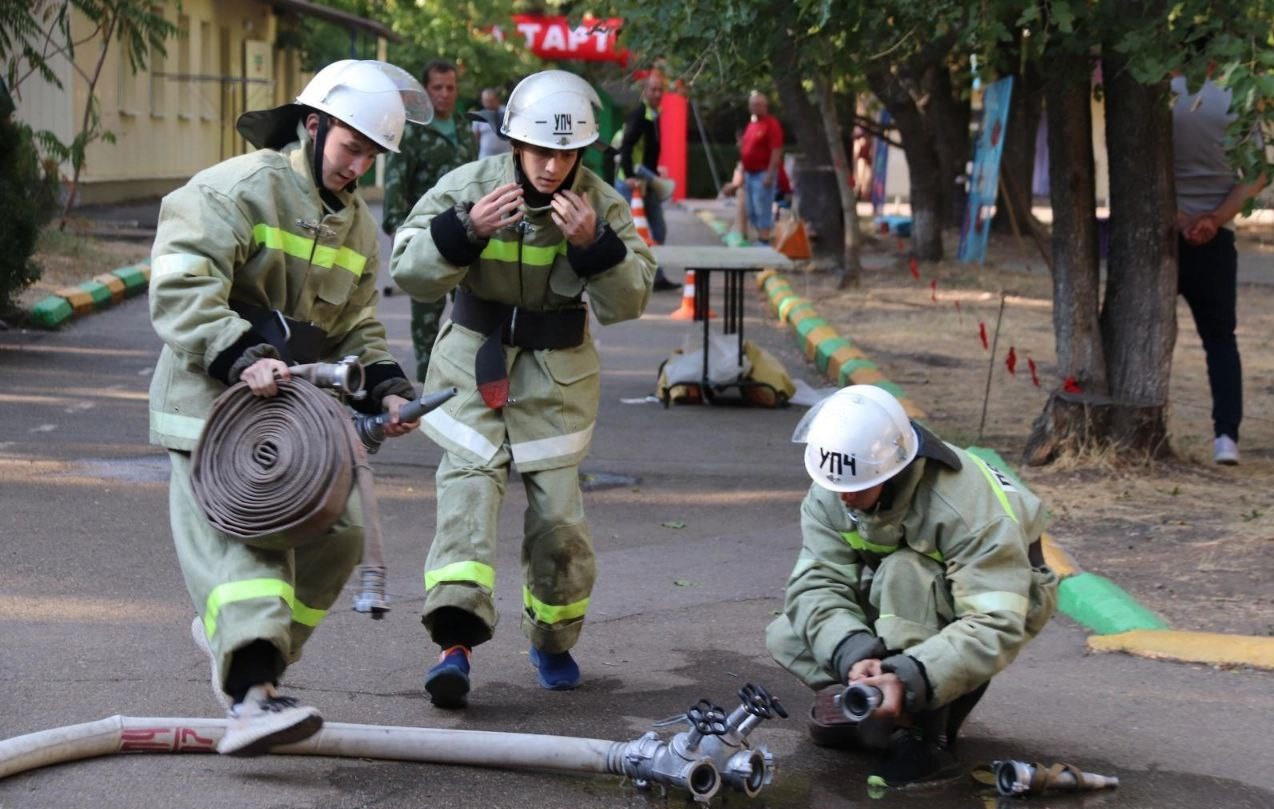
(639, 217)
(687, 309)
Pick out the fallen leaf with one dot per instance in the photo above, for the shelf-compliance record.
(673, 524)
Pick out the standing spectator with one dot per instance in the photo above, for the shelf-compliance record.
(761, 152)
(1209, 196)
(427, 153)
(267, 257)
(639, 163)
(533, 243)
(487, 129)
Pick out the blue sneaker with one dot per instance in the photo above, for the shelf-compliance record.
(448, 681)
(557, 670)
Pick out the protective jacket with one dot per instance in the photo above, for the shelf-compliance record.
(553, 392)
(959, 511)
(252, 231)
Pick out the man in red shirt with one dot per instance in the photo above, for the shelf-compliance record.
(761, 152)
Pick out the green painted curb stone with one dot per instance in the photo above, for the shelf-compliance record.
(99, 292)
(795, 305)
(809, 324)
(1103, 606)
(823, 352)
(848, 368)
(51, 311)
(735, 239)
(134, 279)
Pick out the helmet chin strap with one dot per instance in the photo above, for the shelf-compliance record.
(534, 197)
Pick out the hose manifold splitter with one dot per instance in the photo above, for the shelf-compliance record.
(714, 750)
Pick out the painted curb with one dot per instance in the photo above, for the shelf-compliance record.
(102, 291)
(1119, 621)
(1190, 647)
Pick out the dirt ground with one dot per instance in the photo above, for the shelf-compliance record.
(1191, 540)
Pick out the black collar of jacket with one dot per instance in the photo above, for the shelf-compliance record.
(931, 446)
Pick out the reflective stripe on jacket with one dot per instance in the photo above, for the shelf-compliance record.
(253, 229)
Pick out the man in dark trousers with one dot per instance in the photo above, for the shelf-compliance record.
(639, 163)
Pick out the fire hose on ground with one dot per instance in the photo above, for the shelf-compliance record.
(265, 465)
(714, 752)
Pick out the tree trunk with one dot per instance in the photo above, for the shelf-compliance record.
(949, 120)
(923, 164)
(1138, 322)
(815, 180)
(1073, 421)
(851, 267)
(1017, 164)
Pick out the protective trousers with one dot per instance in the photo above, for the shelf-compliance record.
(275, 589)
(558, 565)
(908, 602)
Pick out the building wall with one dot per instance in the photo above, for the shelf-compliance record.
(177, 115)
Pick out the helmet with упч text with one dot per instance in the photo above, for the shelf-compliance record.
(371, 97)
(856, 438)
(553, 109)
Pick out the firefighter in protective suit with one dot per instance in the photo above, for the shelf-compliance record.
(920, 573)
(259, 262)
(521, 237)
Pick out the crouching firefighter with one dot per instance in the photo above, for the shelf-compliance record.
(262, 261)
(521, 238)
(920, 575)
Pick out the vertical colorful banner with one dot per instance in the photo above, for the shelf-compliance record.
(673, 123)
(986, 171)
(880, 167)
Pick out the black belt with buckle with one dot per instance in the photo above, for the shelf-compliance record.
(551, 329)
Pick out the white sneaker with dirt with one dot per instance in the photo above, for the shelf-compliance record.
(1225, 450)
(265, 720)
(201, 640)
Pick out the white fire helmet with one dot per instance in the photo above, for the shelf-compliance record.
(372, 97)
(553, 109)
(856, 438)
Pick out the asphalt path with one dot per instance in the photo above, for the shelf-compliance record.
(696, 527)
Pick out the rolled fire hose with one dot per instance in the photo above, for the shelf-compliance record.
(265, 465)
(125, 734)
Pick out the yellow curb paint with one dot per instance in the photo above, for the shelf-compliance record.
(145, 268)
(1062, 563)
(113, 283)
(1189, 647)
(81, 302)
(913, 410)
(866, 376)
(817, 336)
(765, 275)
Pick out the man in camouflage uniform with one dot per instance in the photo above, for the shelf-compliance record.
(427, 153)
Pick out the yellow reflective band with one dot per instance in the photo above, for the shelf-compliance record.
(994, 601)
(472, 572)
(553, 613)
(532, 256)
(304, 248)
(995, 486)
(856, 542)
(247, 589)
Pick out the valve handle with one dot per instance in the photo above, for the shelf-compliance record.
(759, 702)
(707, 718)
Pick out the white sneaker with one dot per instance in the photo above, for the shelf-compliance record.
(201, 640)
(265, 720)
(1225, 450)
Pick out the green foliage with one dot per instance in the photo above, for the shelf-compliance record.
(27, 197)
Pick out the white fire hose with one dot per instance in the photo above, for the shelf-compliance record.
(686, 762)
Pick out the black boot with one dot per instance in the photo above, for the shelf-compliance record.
(662, 283)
